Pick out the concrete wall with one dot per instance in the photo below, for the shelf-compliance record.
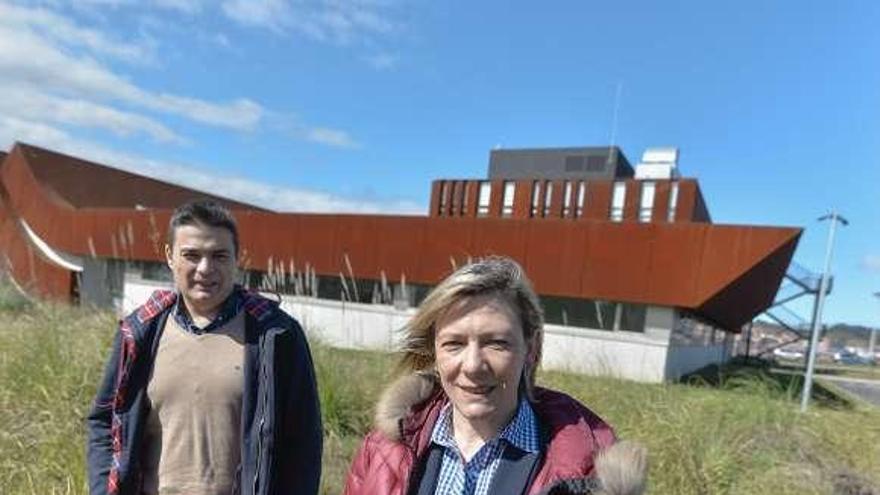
(645, 357)
(348, 325)
(683, 359)
(626, 355)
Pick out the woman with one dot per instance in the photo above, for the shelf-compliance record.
(465, 416)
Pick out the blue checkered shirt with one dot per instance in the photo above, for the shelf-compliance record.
(228, 310)
(474, 477)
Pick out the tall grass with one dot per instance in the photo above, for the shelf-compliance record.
(743, 436)
(50, 361)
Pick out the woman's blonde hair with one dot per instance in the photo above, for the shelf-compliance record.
(492, 276)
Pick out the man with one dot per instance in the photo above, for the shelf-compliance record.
(209, 389)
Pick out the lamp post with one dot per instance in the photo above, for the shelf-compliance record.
(873, 335)
(817, 320)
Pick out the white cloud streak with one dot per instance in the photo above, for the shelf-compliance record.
(24, 103)
(273, 197)
(52, 72)
(871, 262)
(56, 27)
(381, 61)
(184, 6)
(28, 59)
(333, 21)
(331, 137)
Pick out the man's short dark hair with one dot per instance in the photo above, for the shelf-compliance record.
(203, 212)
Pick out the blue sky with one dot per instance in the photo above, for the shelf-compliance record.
(305, 105)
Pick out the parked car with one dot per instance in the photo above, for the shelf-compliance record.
(849, 357)
(787, 353)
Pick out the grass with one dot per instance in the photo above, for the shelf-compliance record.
(737, 432)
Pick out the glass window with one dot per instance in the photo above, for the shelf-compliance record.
(673, 201)
(646, 203)
(536, 196)
(581, 199)
(618, 199)
(507, 199)
(584, 313)
(483, 198)
(464, 196)
(566, 201)
(632, 317)
(548, 197)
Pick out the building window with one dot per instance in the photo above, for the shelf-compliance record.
(632, 317)
(584, 313)
(618, 199)
(507, 199)
(566, 204)
(464, 196)
(536, 197)
(548, 197)
(444, 198)
(483, 198)
(581, 199)
(646, 202)
(673, 201)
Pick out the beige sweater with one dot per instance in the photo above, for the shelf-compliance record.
(192, 444)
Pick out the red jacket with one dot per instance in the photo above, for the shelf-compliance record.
(405, 418)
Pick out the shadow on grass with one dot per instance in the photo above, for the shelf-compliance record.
(757, 375)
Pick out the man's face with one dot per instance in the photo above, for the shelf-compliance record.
(203, 263)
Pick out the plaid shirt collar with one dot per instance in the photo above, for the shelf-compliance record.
(228, 310)
(521, 432)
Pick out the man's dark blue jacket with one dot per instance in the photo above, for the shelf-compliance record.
(281, 437)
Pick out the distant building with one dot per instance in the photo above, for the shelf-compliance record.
(635, 279)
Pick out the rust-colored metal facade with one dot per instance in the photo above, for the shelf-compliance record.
(722, 273)
(447, 202)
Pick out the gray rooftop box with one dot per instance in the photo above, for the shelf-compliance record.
(589, 163)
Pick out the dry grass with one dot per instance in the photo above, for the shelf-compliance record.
(744, 437)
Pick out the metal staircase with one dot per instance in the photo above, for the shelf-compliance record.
(799, 282)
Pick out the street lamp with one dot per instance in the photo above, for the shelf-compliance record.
(817, 321)
(873, 336)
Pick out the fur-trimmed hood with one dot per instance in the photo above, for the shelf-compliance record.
(399, 398)
(582, 455)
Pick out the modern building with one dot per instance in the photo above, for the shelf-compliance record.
(635, 279)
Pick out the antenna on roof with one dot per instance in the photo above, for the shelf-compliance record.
(616, 110)
(612, 151)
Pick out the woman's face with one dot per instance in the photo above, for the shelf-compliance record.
(481, 353)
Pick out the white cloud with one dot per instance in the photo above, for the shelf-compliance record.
(24, 103)
(871, 262)
(381, 61)
(324, 20)
(60, 29)
(50, 73)
(273, 197)
(258, 13)
(331, 137)
(14, 129)
(28, 59)
(184, 6)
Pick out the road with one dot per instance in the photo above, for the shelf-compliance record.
(866, 389)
